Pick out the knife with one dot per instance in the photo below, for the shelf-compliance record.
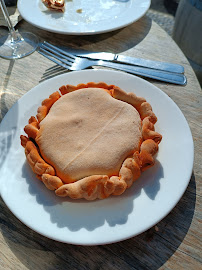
(164, 66)
(70, 61)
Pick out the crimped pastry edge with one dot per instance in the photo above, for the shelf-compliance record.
(94, 186)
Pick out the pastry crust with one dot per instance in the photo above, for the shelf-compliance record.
(110, 126)
(94, 186)
(58, 5)
(37, 164)
(46, 105)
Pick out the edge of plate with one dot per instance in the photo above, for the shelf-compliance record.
(118, 239)
(76, 33)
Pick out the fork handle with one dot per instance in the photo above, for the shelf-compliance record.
(170, 77)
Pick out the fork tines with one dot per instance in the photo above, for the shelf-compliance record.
(56, 55)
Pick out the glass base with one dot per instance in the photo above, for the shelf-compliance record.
(20, 46)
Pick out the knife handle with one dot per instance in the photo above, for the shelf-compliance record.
(164, 76)
(163, 66)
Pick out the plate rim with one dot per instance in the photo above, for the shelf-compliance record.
(79, 33)
(119, 238)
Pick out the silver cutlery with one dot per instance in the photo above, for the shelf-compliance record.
(118, 58)
(72, 62)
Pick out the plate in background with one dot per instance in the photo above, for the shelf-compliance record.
(84, 17)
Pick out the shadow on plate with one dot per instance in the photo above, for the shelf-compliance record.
(6, 139)
(149, 250)
(53, 13)
(78, 214)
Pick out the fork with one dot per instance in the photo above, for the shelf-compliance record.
(73, 63)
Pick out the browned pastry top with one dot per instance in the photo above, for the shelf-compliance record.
(88, 132)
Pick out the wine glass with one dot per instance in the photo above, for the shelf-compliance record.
(16, 45)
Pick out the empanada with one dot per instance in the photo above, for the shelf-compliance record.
(91, 141)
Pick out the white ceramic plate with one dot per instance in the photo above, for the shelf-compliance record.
(97, 16)
(114, 219)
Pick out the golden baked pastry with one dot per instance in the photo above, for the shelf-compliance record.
(58, 5)
(91, 141)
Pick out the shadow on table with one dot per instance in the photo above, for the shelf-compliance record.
(120, 41)
(149, 250)
(3, 92)
(8, 130)
(123, 40)
(53, 71)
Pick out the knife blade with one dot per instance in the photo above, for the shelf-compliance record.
(164, 66)
(69, 61)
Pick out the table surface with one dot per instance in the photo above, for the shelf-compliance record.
(174, 243)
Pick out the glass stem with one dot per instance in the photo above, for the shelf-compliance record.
(7, 18)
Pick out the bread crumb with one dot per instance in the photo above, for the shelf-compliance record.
(79, 10)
